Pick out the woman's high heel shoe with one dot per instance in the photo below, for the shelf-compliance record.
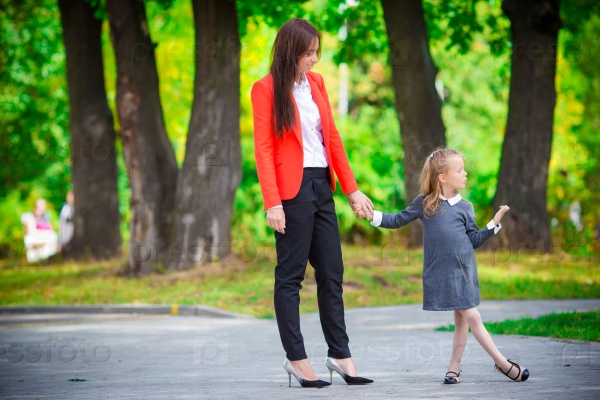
(350, 380)
(303, 382)
(521, 377)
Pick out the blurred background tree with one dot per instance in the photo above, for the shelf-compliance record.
(96, 216)
(149, 157)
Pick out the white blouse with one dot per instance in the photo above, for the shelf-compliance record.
(310, 120)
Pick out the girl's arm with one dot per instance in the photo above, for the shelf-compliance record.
(478, 237)
(394, 221)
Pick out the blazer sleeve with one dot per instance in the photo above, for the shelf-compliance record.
(264, 146)
(478, 237)
(412, 212)
(339, 160)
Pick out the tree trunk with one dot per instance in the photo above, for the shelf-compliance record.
(150, 159)
(94, 168)
(212, 166)
(417, 102)
(523, 176)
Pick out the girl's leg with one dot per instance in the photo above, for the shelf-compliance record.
(461, 333)
(473, 318)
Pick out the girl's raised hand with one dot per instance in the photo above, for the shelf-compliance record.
(503, 210)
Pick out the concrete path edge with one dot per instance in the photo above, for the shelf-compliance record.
(173, 309)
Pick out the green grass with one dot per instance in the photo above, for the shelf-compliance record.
(374, 276)
(569, 325)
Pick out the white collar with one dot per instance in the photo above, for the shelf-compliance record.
(453, 200)
(303, 83)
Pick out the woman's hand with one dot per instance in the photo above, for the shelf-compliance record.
(276, 219)
(361, 204)
(503, 210)
(360, 213)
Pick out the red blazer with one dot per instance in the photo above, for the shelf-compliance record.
(279, 163)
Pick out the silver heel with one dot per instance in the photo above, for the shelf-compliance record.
(332, 365)
(303, 382)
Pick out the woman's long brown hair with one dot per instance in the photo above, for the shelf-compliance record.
(436, 164)
(293, 40)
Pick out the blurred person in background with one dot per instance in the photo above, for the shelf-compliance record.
(65, 227)
(41, 241)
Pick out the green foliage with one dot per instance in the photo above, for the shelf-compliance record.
(575, 164)
(31, 71)
(34, 143)
(272, 12)
(457, 23)
(469, 42)
(575, 325)
(576, 13)
(373, 147)
(474, 114)
(360, 27)
(453, 21)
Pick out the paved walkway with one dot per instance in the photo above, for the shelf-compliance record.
(199, 357)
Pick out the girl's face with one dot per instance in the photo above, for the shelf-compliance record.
(456, 176)
(309, 59)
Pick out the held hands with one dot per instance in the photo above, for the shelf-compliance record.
(358, 210)
(503, 210)
(276, 219)
(361, 204)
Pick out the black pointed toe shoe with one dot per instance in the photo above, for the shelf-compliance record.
(303, 382)
(350, 380)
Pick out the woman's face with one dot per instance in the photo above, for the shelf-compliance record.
(309, 59)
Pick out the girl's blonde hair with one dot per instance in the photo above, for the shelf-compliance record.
(437, 163)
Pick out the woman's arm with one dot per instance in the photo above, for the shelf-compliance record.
(341, 165)
(339, 160)
(264, 147)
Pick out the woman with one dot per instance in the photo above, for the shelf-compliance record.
(298, 154)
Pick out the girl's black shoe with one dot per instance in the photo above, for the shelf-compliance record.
(521, 377)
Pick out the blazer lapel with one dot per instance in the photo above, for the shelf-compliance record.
(320, 101)
(298, 126)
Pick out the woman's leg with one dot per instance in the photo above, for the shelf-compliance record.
(292, 257)
(326, 258)
(481, 334)
(461, 333)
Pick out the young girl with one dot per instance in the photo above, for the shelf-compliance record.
(450, 234)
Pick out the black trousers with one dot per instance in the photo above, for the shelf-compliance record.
(311, 234)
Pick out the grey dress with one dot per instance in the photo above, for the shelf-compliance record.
(449, 267)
